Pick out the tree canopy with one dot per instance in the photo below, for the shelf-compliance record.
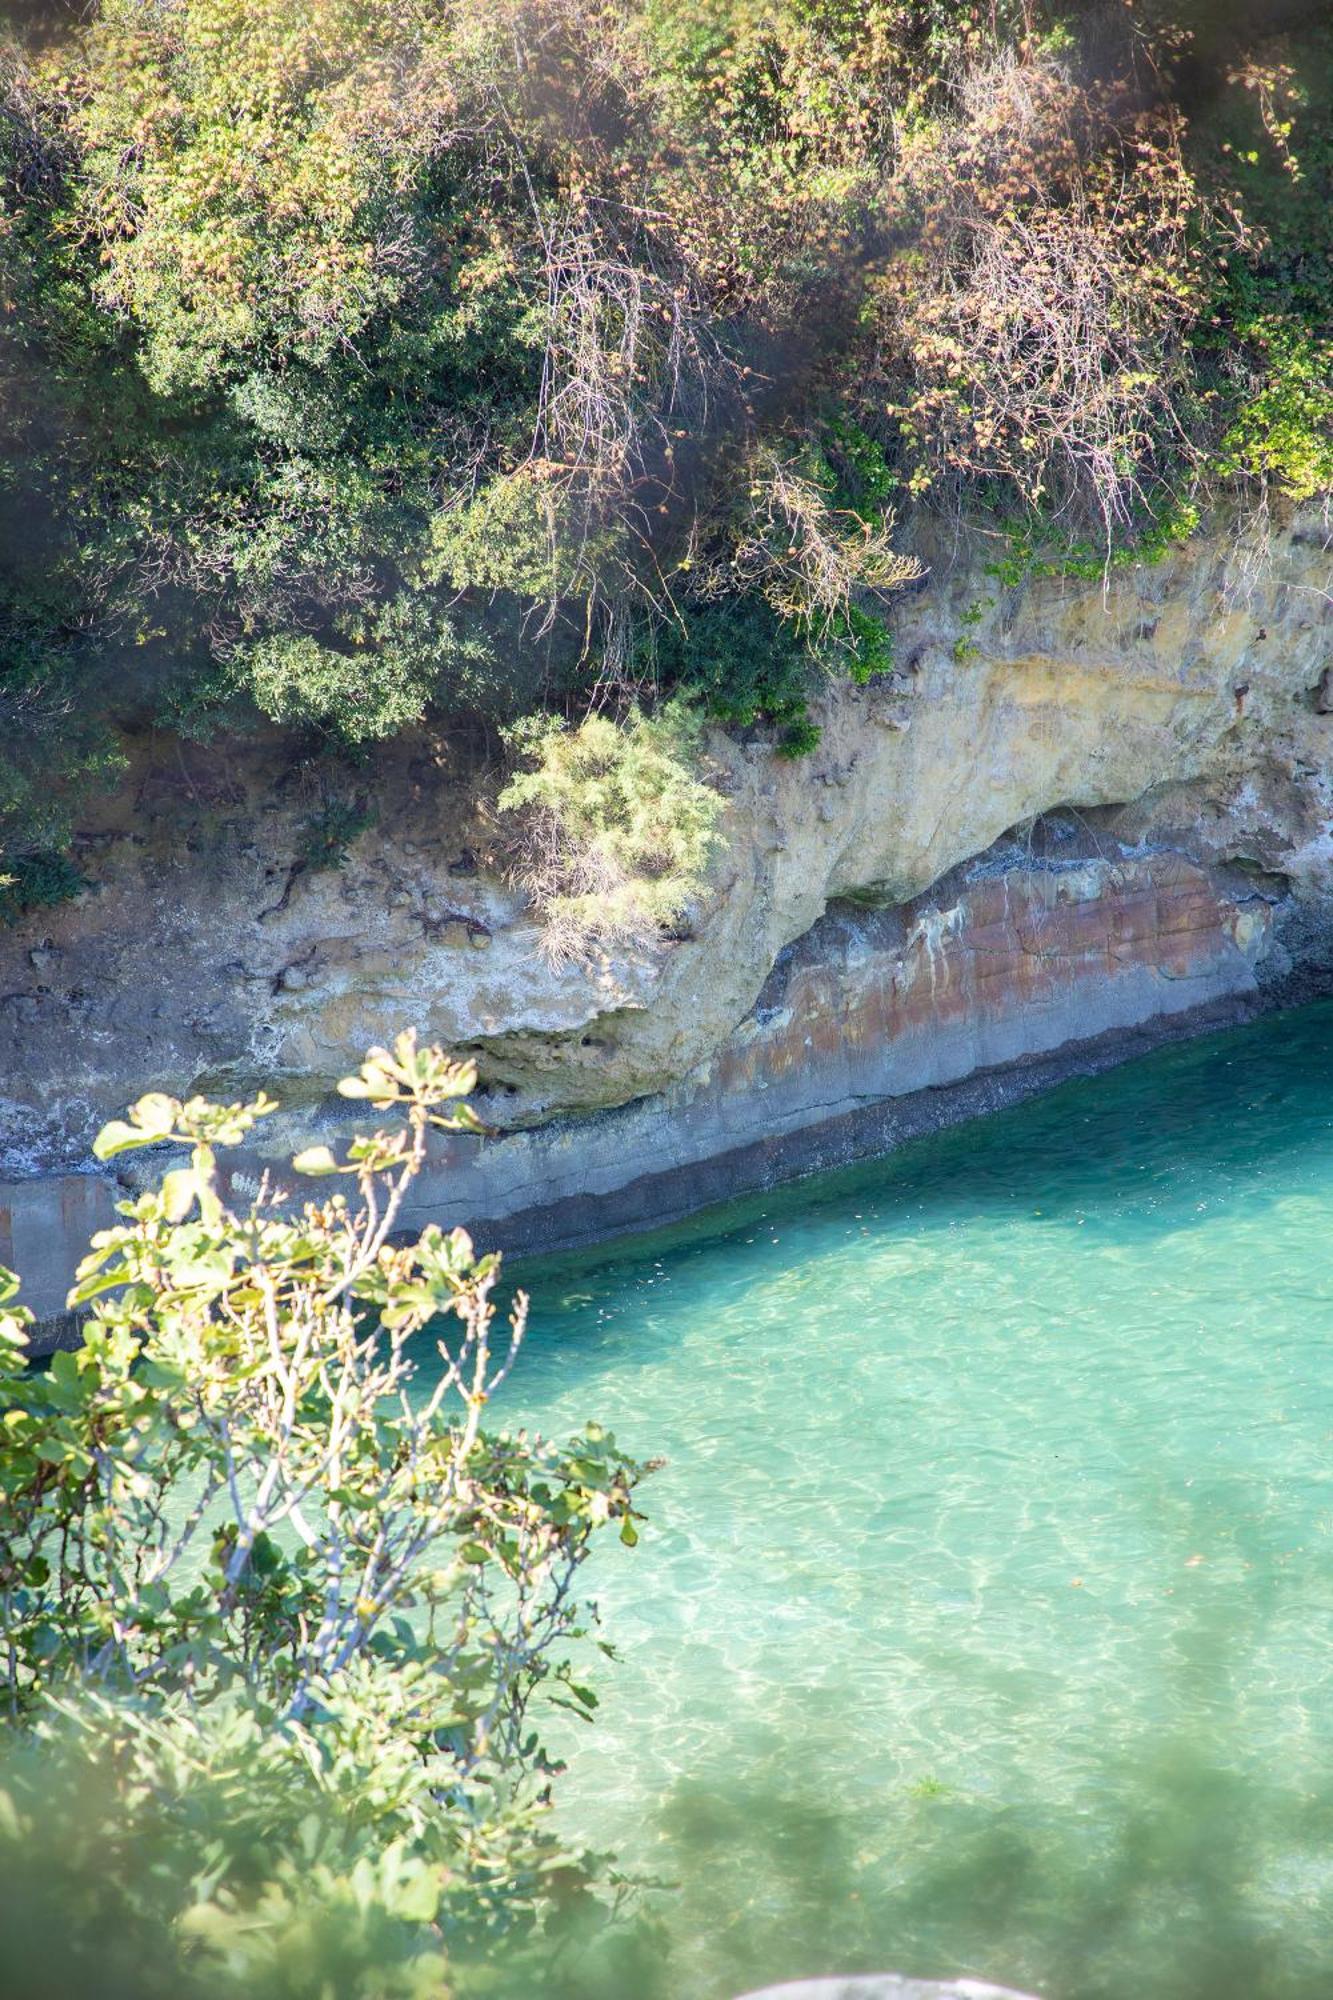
(373, 360)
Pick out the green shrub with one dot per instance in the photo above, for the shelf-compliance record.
(380, 675)
(740, 660)
(327, 834)
(1264, 349)
(748, 667)
(277, 1611)
(1038, 549)
(37, 882)
(295, 678)
(867, 645)
(506, 538)
(1283, 434)
(613, 826)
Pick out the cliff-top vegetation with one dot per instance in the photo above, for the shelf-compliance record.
(377, 363)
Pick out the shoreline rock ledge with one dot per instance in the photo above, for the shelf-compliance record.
(887, 1986)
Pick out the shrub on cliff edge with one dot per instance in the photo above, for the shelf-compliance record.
(614, 826)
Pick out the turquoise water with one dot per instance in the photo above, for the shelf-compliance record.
(984, 1621)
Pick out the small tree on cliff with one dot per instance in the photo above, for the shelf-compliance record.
(273, 1603)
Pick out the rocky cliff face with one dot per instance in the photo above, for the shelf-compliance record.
(1075, 809)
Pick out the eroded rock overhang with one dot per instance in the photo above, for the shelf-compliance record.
(1110, 810)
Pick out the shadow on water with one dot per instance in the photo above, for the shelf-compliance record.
(777, 1884)
(1190, 1873)
(773, 1883)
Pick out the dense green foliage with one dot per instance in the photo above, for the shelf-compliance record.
(1272, 314)
(616, 828)
(277, 1612)
(377, 360)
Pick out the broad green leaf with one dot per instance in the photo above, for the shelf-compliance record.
(118, 1137)
(155, 1113)
(179, 1189)
(91, 1287)
(417, 1899)
(14, 1329)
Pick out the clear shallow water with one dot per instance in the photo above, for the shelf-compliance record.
(984, 1621)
